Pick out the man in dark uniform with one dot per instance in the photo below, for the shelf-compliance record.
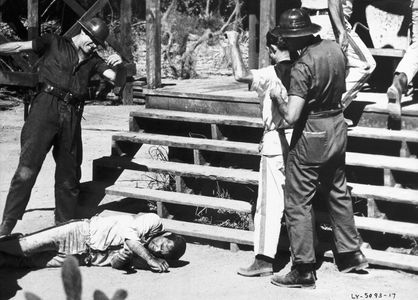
(317, 149)
(54, 120)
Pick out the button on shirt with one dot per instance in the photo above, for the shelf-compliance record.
(108, 234)
(60, 67)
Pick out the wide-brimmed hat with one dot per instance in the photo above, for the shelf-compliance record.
(295, 22)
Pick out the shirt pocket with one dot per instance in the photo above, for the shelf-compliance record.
(312, 147)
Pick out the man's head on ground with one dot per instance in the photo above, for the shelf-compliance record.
(168, 245)
(296, 28)
(93, 33)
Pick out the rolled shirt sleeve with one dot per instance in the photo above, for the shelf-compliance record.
(300, 80)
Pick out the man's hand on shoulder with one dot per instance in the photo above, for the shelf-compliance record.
(114, 60)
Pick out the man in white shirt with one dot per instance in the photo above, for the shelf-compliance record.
(404, 73)
(120, 241)
(333, 17)
(273, 150)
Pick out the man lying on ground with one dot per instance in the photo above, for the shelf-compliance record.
(121, 241)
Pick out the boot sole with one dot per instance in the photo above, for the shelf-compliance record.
(359, 267)
(10, 236)
(301, 286)
(255, 274)
(394, 105)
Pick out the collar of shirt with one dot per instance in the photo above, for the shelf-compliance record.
(315, 39)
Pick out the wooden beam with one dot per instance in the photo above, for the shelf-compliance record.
(33, 18)
(267, 21)
(126, 41)
(153, 56)
(18, 78)
(90, 13)
(387, 52)
(253, 35)
(179, 198)
(77, 8)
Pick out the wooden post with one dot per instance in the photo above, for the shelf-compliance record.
(126, 41)
(153, 28)
(267, 21)
(405, 152)
(253, 36)
(33, 28)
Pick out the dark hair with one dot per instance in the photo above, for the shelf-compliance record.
(179, 246)
(277, 40)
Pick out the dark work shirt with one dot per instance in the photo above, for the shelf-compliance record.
(318, 76)
(283, 69)
(59, 64)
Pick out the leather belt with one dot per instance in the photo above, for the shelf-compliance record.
(325, 113)
(316, 12)
(61, 94)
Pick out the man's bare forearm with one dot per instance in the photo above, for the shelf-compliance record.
(337, 20)
(15, 47)
(241, 73)
(138, 249)
(291, 110)
(238, 67)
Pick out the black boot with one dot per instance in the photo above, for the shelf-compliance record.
(301, 276)
(7, 226)
(261, 266)
(394, 94)
(350, 261)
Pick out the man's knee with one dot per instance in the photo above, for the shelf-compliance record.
(24, 173)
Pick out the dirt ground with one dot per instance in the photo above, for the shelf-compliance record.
(205, 272)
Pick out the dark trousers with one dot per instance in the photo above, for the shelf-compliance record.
(317, 156)
(51, 123)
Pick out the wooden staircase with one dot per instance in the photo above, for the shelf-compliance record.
(223, 134)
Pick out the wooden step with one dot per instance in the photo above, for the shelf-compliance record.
(180, 198)
(387, 226)
(378, 225)
(210, 232)
(383, 134)
(162, 114)
(188, 170)
(382, 162)
(358, 131)
(388, 259)
(384, 193)
(187, 142)
(352, 158)
(392, 194)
